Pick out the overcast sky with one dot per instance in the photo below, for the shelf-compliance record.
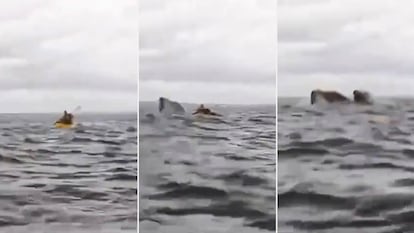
(345, 45)
(56, 55)
(216, 51)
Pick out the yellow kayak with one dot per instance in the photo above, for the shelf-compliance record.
(207, 117)
(64, 126)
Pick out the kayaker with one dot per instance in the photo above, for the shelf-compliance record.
(67, 118)
(201, 109)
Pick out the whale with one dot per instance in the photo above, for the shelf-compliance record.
(328, 96)
(169, 107)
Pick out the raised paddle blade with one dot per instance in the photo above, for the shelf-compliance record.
(78, 108)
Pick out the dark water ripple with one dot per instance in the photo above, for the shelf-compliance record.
(208, 176)
(68, 180)
(345, 168)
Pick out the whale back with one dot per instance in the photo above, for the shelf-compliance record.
(327, 96)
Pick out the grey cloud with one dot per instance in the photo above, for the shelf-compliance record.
(213, 41)
(70, 44)
(72, 52)
(349, 40)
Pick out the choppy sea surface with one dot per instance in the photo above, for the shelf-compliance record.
(68, 180)
(346, 168)
(208, 175)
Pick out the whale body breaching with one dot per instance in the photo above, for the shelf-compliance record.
(168, 107)
(360, 97)
(328, 96)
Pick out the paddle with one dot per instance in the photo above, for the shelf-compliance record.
(78, 108)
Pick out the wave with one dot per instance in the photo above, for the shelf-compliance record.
(195, 168)
(57, 174)
(190, 191)
(362, 156)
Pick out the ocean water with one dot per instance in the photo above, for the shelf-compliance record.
(68, 180)
(208, 175)
(346, 168)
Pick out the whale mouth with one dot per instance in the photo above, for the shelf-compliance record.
(161, 104)
(314, 95)
(362, 97)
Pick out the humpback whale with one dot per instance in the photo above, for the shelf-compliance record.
(329, 96)
(168, 107)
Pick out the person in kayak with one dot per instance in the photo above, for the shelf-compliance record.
(67, 118)
(201, 109)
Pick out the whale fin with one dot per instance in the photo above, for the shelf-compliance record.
(169, 107)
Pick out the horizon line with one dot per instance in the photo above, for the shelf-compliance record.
(83, 112)
(152, 101)
(376, 96)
